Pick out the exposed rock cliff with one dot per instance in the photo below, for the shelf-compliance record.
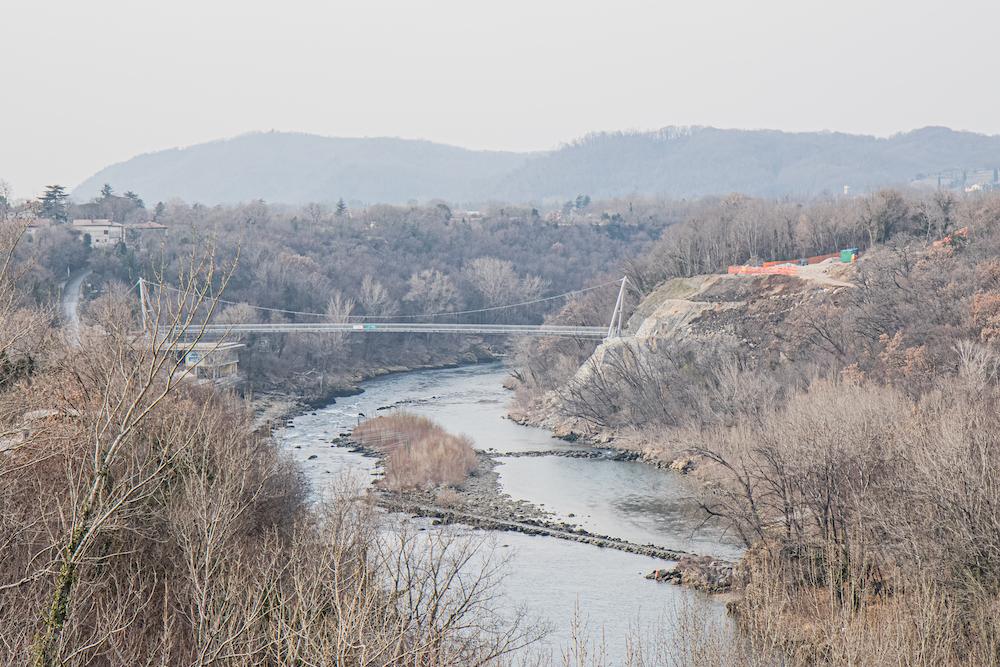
(755, 319)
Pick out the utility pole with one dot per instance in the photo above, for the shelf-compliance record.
(615, 328)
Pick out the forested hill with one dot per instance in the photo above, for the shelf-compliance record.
(674, 162)
(296, 168)
(690, 162)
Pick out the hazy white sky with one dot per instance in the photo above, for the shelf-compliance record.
(86, 84)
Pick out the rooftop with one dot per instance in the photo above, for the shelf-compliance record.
(95, 222)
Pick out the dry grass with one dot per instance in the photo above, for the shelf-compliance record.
(837, 620)
(419, 454)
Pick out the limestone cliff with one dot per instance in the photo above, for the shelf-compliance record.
(752, 315)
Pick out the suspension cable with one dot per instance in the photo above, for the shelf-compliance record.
(423, 315)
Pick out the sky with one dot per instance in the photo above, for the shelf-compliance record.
(87, 84)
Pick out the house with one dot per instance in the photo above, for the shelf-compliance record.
(102, 233)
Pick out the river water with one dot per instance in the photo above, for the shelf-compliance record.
(551, 579)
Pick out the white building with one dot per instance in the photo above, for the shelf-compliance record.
(102, 232)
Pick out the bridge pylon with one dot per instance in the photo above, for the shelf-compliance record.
(615, 328)
(142, 301)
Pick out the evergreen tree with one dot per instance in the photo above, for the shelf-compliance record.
(341, 209)
(106, 191)
(54, 203)
(5, 203)
(445, 211)
(135, 199)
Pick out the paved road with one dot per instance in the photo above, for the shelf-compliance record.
(71, 306)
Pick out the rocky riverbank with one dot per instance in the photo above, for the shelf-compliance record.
(631, 445)
(704, 573)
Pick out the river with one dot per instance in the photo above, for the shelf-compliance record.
(548, 577)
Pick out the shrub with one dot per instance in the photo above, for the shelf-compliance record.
(418, 452)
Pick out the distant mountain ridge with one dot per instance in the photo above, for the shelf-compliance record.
(298, 168)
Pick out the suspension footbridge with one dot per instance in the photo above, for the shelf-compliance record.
(412, 323)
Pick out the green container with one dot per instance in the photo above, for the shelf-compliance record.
(847, 256)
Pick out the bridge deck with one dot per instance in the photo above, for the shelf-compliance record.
(410, 327)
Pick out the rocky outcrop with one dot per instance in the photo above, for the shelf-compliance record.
(704, 573)
(754, 314)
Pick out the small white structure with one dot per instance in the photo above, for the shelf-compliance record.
(213, 362)
(102, 232)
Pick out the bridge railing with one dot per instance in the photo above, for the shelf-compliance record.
(408, 327)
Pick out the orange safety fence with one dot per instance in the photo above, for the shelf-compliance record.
(815, 259)
(764, 270)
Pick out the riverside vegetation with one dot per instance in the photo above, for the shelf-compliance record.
(145, 521)
(849, 435)
(418, 453)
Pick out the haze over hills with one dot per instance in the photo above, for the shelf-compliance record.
(297, 168)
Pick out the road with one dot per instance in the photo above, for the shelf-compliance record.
(71, 306)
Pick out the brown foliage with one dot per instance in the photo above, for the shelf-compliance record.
(418, 452)
(874, 510)
(143, 521)
(856, 454)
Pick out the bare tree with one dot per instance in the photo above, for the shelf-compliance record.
(432, 291)
(375, 297)
(135, 375)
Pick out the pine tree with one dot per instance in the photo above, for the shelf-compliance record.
(135, 199)
(5, 203)
(54, 203)
(106, 191)
(341, 209)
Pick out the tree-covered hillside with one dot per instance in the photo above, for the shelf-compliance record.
(673, 162)
(298, 168)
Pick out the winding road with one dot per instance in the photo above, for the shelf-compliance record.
(71, 306)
